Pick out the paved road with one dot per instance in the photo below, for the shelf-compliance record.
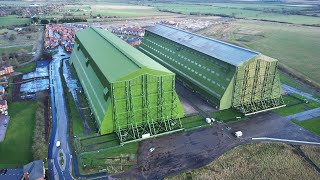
(12, 174)
(72, 87)
(61, 131)
(306, 115)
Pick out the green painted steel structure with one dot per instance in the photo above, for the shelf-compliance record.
(128, 92)
(224, 74)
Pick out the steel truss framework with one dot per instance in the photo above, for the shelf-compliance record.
(149, 125)
(257, 88)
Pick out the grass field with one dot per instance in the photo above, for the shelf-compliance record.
(15, 151)
(193, 121)
(227, 115)
(313, 152)
(285, 79)
(293, 107)
(294, 46)
(261, 11)
(312, 125)
(255, 161)
(125, 10)
(16, 49)
(26, 68)
(95, 161)
(77, 125)
(13, 20)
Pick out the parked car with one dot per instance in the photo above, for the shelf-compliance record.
(58, 144)
(3, 171)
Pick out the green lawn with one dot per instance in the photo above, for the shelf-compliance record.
(193, 121)
(13, 20)
(16, 49)
(312, 125)
(285, 79)
(289, 110)
(16, 151)
(254, 161)
(227, 115)
(77, 124)
(26, 68)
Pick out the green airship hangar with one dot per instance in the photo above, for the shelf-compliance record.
(132, 92)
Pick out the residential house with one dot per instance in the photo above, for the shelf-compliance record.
(3, 106)
(34, 171)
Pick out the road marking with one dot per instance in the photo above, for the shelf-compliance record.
(286, 140)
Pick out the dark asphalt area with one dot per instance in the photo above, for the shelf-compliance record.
(183, 151)
(12, 174)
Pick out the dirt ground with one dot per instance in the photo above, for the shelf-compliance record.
(191, 102)
(182, 151)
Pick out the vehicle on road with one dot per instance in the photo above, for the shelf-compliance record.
(3, 171)
(238, 134)
(58, 144)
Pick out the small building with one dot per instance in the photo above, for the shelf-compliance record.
(6, 69)
(3, 106)
(34, 171)
(134, 41)
(4, 81)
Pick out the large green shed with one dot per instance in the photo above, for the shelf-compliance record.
(224, 74)
(128, 92)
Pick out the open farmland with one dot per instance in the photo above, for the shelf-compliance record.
(255, 161)
(13, 20)
(124, 10)
(15, 49)
(293, 45)
(262, 11)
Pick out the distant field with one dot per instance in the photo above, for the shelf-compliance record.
(13, 20)
(124, 10)
(16, 151)
(107, 9)
(16, 49)
(261, 11)
(295, 46)
(255, 161)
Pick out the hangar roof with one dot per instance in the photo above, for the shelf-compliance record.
(226, 52)
(114, 57)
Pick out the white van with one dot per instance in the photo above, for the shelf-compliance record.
(58, 143)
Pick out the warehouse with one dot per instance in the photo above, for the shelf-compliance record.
(128, 92)
(223, 74)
